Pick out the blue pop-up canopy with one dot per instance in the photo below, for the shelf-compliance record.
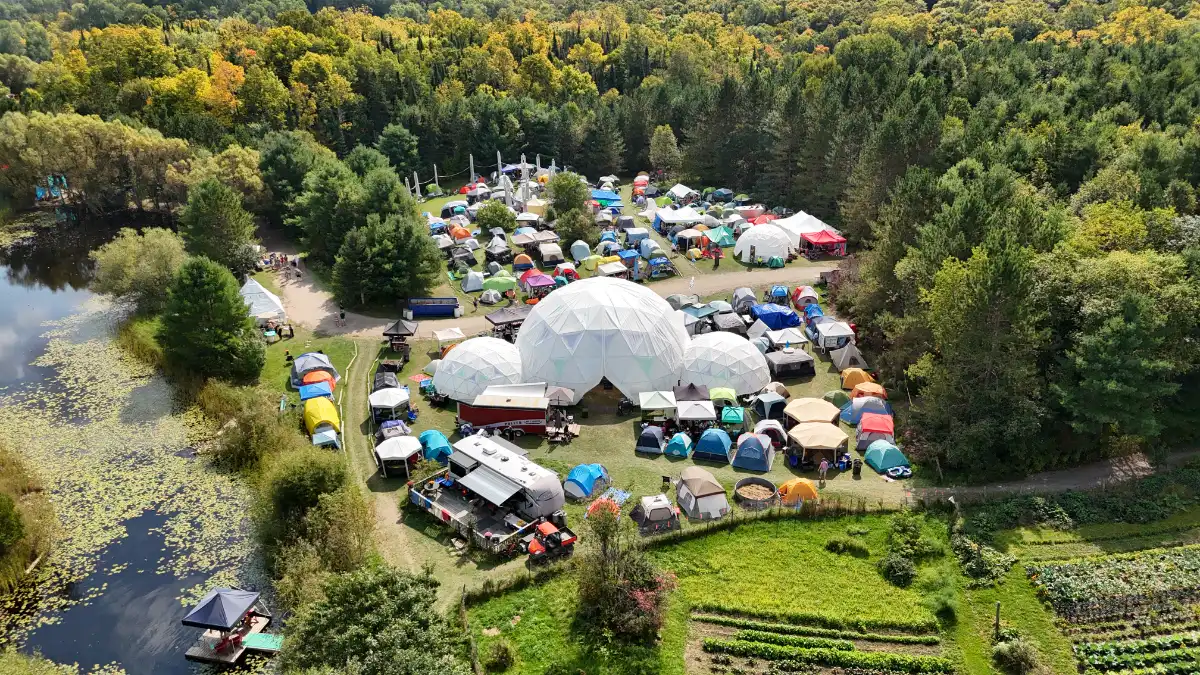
(221, 609)
(315, 390)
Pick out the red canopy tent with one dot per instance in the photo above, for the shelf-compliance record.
(834, 243)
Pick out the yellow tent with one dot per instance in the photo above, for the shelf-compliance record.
(797, 490)
(318, 411)
(610, 259)
(811, 410)
(852, 377)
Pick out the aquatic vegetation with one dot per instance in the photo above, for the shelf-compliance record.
(104, 436)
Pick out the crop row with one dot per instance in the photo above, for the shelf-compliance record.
(1109, 662)
(793, 640)
(793, 629)
(904, 663)
(1146, 646)
(1140, 630)
(1181, 668)
(922, 625)
(1150, 572)
(1140, 534)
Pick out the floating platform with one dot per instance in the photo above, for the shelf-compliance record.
(254, 640)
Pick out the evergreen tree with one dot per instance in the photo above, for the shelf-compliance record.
(331, 205)
(399, 145)
(384, 261)
(567, 193)
(603, 147)
(215, 225)
(664, 150)
(205, 329)
(362, 160)
(285, 159)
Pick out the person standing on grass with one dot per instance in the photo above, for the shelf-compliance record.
(692, 284)
(475, 302)
(342, 317)
(823, 470)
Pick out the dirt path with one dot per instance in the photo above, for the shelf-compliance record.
(310, 305)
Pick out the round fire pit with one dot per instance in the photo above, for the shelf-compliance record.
(755, 493)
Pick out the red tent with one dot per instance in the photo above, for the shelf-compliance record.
(763, 219)
(534, 272)
(823, 238)
(876, 423)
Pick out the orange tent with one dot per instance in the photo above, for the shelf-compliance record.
(797, 490)
(316, 376)
(522, 259)
(447, 348)
(852, 377)
(868, 389)
(460, 232)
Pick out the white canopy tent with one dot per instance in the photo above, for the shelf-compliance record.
(389, 398)
(761, 244)
(685, 216)
(723, 359)
(474, 365)
(603, 327)
(830, 333)
(785, 337)
(680, 191)
(394, 450)
(448, 335)
(262, 304)
(657, 400)
(695, 411)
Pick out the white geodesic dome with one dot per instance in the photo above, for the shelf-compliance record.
(603, 327)
(476, 364)
(722, 359)
(767, 242)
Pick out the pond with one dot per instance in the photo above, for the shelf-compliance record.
(145, 525)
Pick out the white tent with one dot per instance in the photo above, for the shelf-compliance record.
(830, 333)
(448, 335)
(679, 191)
(761, 244)
(611, 269)
(603, 327)
(473, 282)
(785, 337)
(802, 223)
(432, 367)
(388, 398)
(651, 209)
(847, 357)
(722, 359)
(657, 400)
(758, 329)
(686, 215)
(262, 304)
(476, 364)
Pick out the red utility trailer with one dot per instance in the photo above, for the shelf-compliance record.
(507, 408)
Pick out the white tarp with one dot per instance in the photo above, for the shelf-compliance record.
(679, 191)
(389, 398)
(448, 335)
(722, 359)
(612, 269)
(475, 364)
(766, 243)
(603, 327)
(261, 303)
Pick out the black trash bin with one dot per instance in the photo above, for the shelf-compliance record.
(858, 468)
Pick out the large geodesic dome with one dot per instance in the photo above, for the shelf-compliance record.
(603, 327)
(721, 359)
(474, 365)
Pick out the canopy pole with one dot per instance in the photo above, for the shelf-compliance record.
(471, 158)
(416, 184)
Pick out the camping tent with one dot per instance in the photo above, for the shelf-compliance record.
(384, 379)
(318, 411)
(776, 317)
(476, 364)
(699, 494)
(723, 359)
(473, 282)
(679, 301)
(603, 327)
(758, 329)
(758, 244)
(655, 514)
(786, 337)
(650, 441)
(833, 334)
(729, 322)
(777, 388)
(635, 234)
(852, 377)
(714, 445)
(853, 411)
(722, 396)
(431, 367)
(769, 406)
(262, 304)
(309, 362)
(395, 451)
(680, 445)
(793, 362)
(721, 236)
(500, 284)
(385, 403)
(874, 427)
(837, 397)
(580, 250)
(869, 389)
(490, 297)
(796, 491)
(743, 299)
(437, 447)
(657, 402)
(315, 376)
(883, 455)
(586, 480)
(803, 296)
(680, 191)
(819, 438)
(648, 248)
(811, 410)
(847, 357)
(754, 453)
(772, 429)
(691, 392)
(314, 390)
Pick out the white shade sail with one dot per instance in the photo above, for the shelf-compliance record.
(476, 364)
(723, 359)
(261, 303)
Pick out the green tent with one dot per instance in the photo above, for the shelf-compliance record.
(732, 414)
(836, 397)
(882, 456)
(664, 201)
(775, 262)
(499, 284)
(721, 236)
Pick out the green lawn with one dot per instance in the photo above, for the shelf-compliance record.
(1090, 540)
(276, 374)
(1020, 609)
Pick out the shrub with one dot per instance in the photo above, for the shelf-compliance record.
(255, 431)
(898, 569)
(494, 214)
(138, 268)
(11, 526)
(340, 528)
(301, 576)
(499, 657)
(292, 485)
(847, 546)
(941, 597)
(1017, 656)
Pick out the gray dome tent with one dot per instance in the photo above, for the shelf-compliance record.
(307, 363)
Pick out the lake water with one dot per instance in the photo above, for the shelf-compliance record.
(145, 525)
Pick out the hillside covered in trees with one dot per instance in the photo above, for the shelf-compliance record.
(1019, 178)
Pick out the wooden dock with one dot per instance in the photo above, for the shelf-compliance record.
(204, 650)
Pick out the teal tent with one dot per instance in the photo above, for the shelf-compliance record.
(679, 446)
(721, 236)
(882, 456)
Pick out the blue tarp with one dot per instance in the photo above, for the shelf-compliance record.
(437, 447)
(754, 453)
(714, 445)
(608, 235)
(627, 254)
(777, 317)
(524, 230)
(221, 609)
(585, 479)
(679, 446)
(315, 391)
(853, 411)
(605, 196)
(812, 311)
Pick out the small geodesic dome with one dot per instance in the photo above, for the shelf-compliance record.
(765, 242)
(476, 364)
(722, 359)
(603, 327)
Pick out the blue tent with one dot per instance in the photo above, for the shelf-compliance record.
(812, 311)
(221, 609)
(437, 447)
(524, 230)
(650, 441)
(605, 196)
(679, 446)
(777, 317)
(769, 406)
(882, 456)
(754, 452)
(779, 294)
(315, 390)
(714, 445)
(608, 235)
(853, 411)
(585, 480)
(627, 255)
